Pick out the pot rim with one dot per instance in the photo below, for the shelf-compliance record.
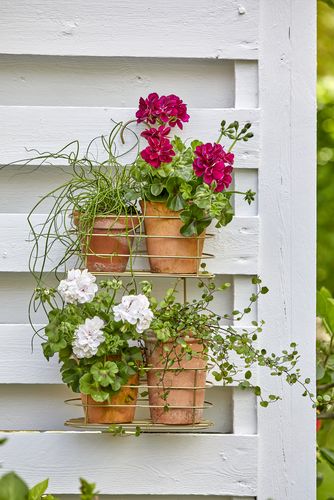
(122, 221)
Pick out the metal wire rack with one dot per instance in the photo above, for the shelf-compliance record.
(134, 244)
(144, 403)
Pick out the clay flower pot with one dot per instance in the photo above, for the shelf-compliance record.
(99, 413)
(109, 246)
(160, 221)
(182, 388)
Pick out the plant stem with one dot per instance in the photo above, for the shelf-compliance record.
(324, 387)
(123, 128)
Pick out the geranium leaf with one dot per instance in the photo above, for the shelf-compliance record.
(13, 487)
(37, 491)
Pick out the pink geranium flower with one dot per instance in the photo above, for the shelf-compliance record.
(173, 111)
(149, 109)
(213, 163)
(169, 109)
(160, 149)
(156, 133)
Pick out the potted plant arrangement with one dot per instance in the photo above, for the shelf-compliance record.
(104, 342)
(92, 334)
(186, 339)
(106, 337)
(180, 187)
(184, 187)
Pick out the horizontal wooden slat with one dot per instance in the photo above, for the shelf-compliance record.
(45, 408)
(211, 464)
(235, 246)
(212, 28)
(51, 128)
(114, 81)
(30, 365)
(159, 497)
(16, 290)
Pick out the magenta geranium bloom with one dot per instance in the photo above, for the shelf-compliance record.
(149, 109)
(169, 109)
(160, 149)
(156, 133)
(213, 163)
(173, 110)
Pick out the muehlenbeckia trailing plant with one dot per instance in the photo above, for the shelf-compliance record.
(93, 332)
(89, 326)
(233, 352)
(192, 178)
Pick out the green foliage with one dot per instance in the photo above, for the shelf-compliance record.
(227, 348)
(13, 487)
(325, 386)
(88, 490)
(325, 182)
(97, 376)
(325, 354)
(177, 185)
(325, 265)
(38, 490)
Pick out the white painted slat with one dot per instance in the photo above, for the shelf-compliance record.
(242, 290)
(45, 408)
(244, 411)
(158, 497)
(117, 81)
(235, 246)
(21, 188)
(30, 365)
(16, 290)
(245, 179)
(211, 464)
(287, 209)
(35, 407)
(50, 128)
(244, 401)
(246, 84)
(210, 29)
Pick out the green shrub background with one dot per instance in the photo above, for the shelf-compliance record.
(325, 271)
(325, 237)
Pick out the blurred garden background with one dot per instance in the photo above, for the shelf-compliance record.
(325, 262)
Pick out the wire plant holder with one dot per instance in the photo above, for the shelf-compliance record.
(134, 245)
(144, 403)
(153, 397)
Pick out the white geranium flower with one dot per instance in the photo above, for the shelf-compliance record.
(88, 337)
(134, 309)
(79, 287)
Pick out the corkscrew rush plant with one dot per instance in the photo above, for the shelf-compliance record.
(94, 188)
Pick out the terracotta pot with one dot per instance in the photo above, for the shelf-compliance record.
(107, 238)
(167, 223)
(185, 388)
(96, 413)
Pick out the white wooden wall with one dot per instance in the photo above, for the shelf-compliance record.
(66, 69)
